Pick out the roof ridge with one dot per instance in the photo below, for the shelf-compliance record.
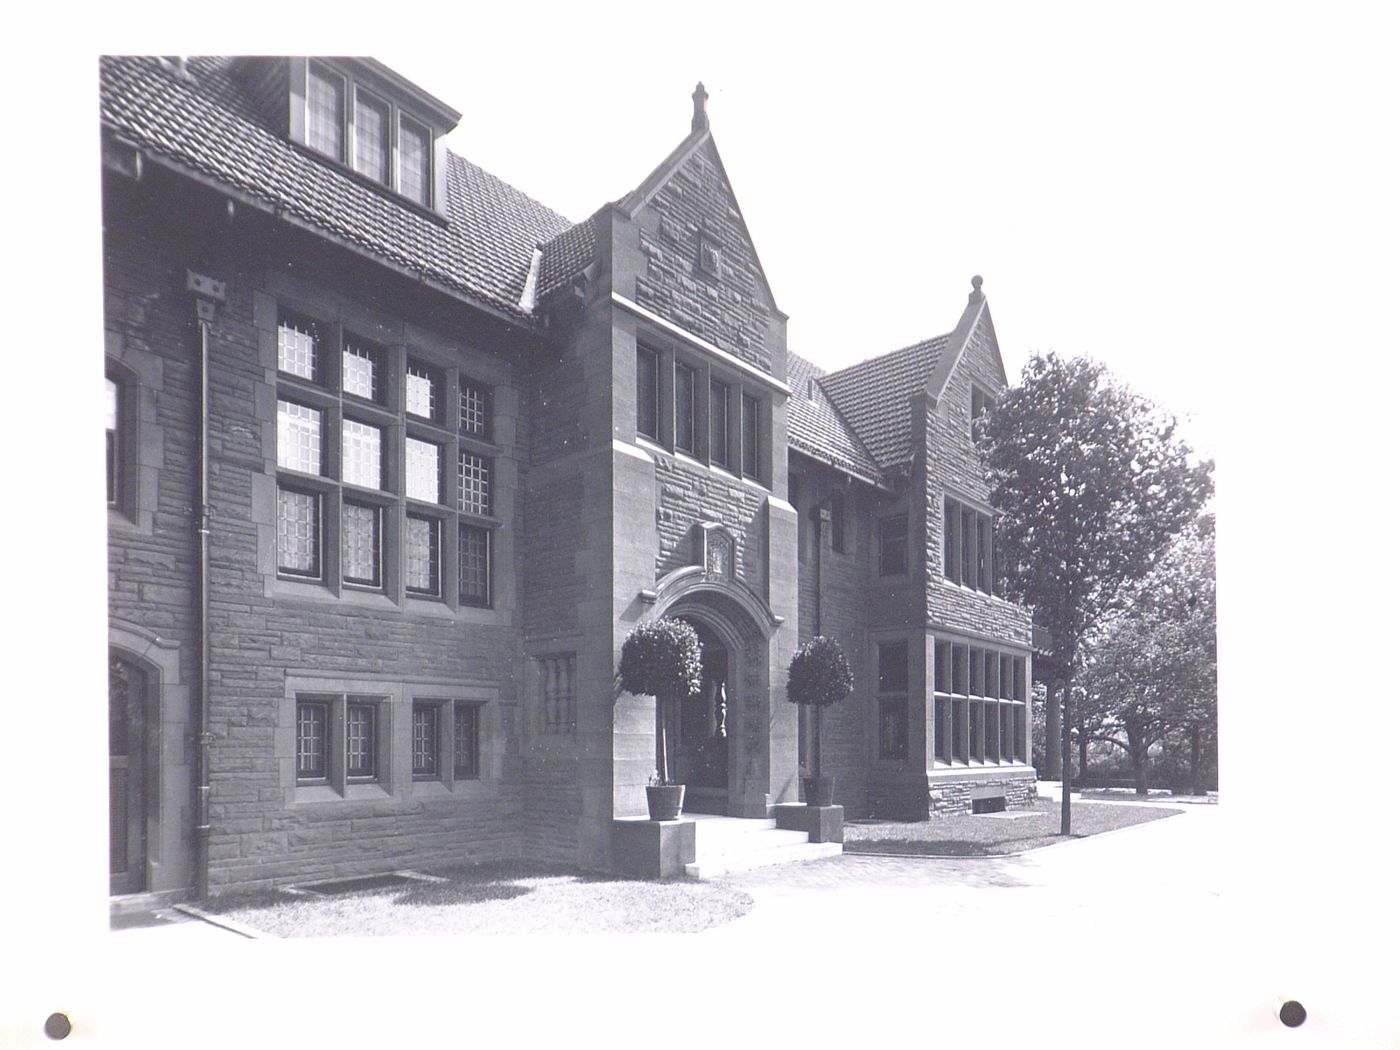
(922, 344)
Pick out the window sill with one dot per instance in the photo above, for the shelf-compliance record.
(429, 789)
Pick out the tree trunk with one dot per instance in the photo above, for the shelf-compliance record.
(1065, 758)
(1052, 731)
(1083, 753)
(1139, 754)
(817, 740)
(1196, 760)
(665, 770)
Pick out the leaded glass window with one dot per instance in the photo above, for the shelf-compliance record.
(421, 561)
(360, 544)
(476, 410)
(113, 455)
(361, 370)
(371, 136)
(420, 391)
(473, 483)
(298, 437)
(466, 732)
(474, 558)
(423, 477)
(298, 532)
(296, 349)
(325, 112)
(425, 740)
(360, 459)
(415, 164)
(313, 739)
(359, 741)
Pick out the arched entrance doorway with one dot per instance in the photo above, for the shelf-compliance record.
(703, 733)
(127, 734)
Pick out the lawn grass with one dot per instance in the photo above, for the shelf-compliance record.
(496, 898)
(993, 834)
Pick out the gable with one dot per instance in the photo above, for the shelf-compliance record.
(700, 269)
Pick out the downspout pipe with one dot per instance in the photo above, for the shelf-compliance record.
(208, 294)
(821, 515)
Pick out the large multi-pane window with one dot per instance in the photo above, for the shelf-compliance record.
(364, 497)
(892, 698)
(370, 134)
(969, 547)
(979, 704)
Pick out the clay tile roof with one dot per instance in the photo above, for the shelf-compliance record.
(566, 255)
(208, 123)
(874, 397)
(817, 430)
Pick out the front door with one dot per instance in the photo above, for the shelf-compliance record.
(702, 751)
(126, 739)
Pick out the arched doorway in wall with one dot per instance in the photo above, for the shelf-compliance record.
(128, 732)
(703, 729)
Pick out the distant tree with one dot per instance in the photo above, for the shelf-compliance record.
(1090, 483)
(1150, 666)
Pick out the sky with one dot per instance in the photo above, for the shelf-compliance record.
(1201, 196)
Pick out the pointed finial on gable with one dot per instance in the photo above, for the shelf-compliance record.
(701, 120)
(976, 292)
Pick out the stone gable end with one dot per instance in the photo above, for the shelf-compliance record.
(733, 309)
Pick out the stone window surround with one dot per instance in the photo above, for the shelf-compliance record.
(943, 688)
(389, 413)
(736, 386)
(983, 511)
(394, 772)
(882, 516)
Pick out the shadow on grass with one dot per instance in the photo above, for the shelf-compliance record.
(953, 847)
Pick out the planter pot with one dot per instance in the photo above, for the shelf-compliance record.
(664, 801)
(818, 790)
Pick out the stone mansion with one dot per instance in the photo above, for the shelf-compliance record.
(397, 456)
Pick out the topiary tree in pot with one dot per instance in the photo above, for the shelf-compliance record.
(818, 676)
(661, 658)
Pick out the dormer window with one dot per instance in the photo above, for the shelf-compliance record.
(363, 116)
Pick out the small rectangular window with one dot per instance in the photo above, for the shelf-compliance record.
(421, 391)
(325, 112)
(557, 700)
(476, 410)
(113, 443)
(474, 556)
(951, 553)
(422, 560)
(685, 408)
(423, 470)
(313, 740)
(415, 162)
(360, 370)
(749, 410)
(648, 409)
(719, 423)
(297, 348)
(425, 740)
(298, 533)
(893, 663)
(360, 741)
(371, 136)
(361, 545)
(360, 459)
(466, 741)
(298, 437)
(473, 483)
(894, 545)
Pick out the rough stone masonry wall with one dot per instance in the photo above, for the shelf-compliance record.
(956, 796)
(687, 494)
(731, 311)
(955, 468)
(258, 838)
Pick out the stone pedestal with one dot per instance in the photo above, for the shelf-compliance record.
(821, 823)
(652, 849)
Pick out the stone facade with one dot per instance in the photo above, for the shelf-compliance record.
(593, 525)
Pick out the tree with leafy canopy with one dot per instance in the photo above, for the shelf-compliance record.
(1090, 483)
(1150, 669)
(819, 675)
(661, 658)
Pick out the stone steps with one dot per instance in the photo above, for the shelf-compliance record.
(724, 845)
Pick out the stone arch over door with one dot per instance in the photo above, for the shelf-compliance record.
(742, 622)
(158, 754)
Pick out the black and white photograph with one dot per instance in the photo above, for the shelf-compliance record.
(630, 524)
